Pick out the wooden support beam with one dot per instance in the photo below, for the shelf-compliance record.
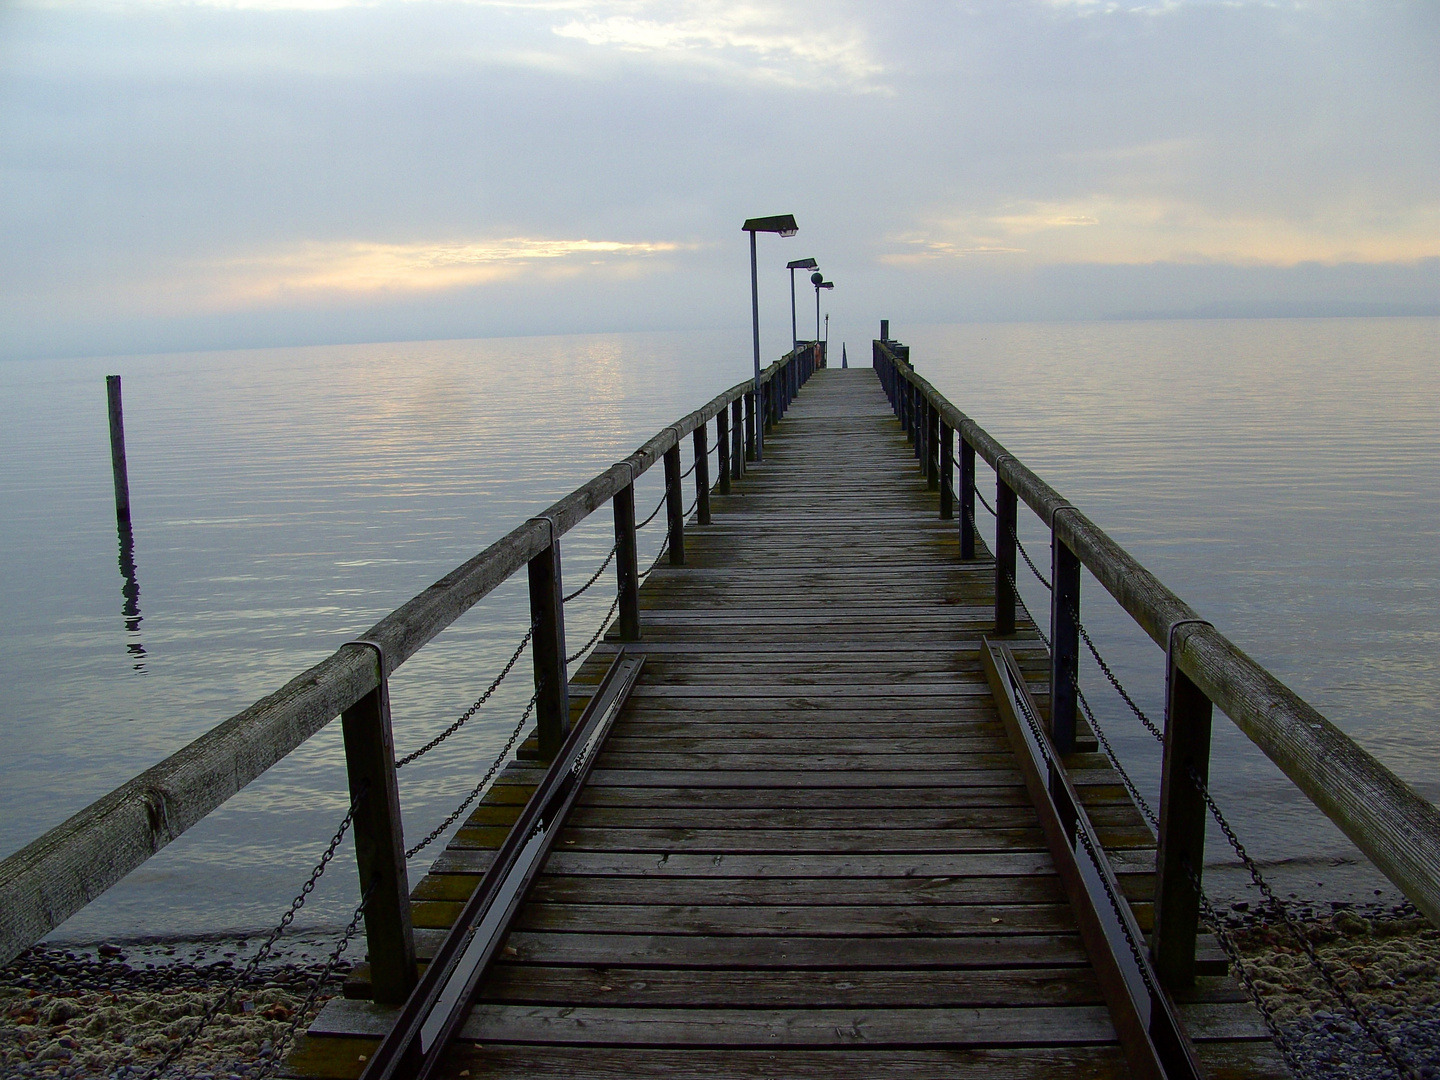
(627, 571)
(947, 472)
(749, 425)
(547, 615)
(967, 500)
(722, 445)
(737, 440)
(1005, 507)
(1182, 828)
(932, 447)
(380, 840)
(675, 505)
(702, 476)
(118, 466)
(1064, 644)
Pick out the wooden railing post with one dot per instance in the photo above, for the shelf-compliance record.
(1182, 825)
(1005, 523)
(722, 445)
(1064, 643)
(967, 500)
(702, 476)
(947, 472)
(737, 439)
(380, 840)
(749, 425)
(932, 446)
(675, 505)
(627, 569)
(547, 615)
(917, 423)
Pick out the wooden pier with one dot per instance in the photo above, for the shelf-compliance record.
(821, 804)
(806, 848)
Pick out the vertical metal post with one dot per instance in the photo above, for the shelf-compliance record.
(750, 402)
(1182, 826)
(547, 614)
(675, 505)
(757, 443)
(967, 500)
(1004, 557)
(117, 449)
(737, 439)
(722, 444)
(380, 841)
(932, 446)
(627, 569)
(1064, 643)
(702, 477)
(947, 472)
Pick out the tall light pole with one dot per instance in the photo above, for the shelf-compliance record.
(818, 280)
(798, 264)
(784, 224)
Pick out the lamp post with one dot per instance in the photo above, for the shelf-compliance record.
(784, 224)
(818, 280)
(798, 264)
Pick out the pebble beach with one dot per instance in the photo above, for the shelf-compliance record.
(114, 1011)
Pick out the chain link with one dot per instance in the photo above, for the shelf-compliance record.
(1242, 972)
(278, 1049)
(1097, 856)
(595, 576)
(474, 708)
(475, 792)
(248, 972)
(604, 625)
(1274, 902)
(657, 510)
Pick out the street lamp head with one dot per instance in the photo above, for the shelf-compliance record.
(784, 224)
(802, 264)
(816, 278)
(824, 284)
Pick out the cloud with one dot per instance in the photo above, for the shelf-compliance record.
(789, 44)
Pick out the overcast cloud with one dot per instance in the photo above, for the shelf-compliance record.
(253, 172)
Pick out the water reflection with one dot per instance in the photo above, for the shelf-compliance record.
(131, 591)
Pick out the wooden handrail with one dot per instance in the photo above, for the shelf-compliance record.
(1397, 829)
(56, 875)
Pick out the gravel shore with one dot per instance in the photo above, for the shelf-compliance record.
(113, 1011)
(1386, 959)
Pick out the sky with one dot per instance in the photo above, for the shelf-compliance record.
(196, 174)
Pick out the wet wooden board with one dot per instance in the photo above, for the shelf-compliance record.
(806, 849)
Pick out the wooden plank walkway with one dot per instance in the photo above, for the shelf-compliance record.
(806, 850)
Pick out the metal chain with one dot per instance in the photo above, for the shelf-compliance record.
(595, 576)
(1273, 900)
(278, 1048)
(1040, 741)
(657, 510)
(1242, 972)
(1114, 758)
(475, 793)
(1298, 932)
(1115, 682)
(246, 973)
(474, 708)
(604, 625)
(690, 470)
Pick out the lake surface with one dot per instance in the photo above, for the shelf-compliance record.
(1280, 475)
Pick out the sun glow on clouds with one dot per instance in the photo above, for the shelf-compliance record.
(1140, 230)
(360, 267)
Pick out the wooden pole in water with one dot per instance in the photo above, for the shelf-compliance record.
(117, 450)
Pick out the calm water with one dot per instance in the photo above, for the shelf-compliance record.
(1279, 475)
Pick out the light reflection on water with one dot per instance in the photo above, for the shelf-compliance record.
(1278, 475)
(283, 500)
